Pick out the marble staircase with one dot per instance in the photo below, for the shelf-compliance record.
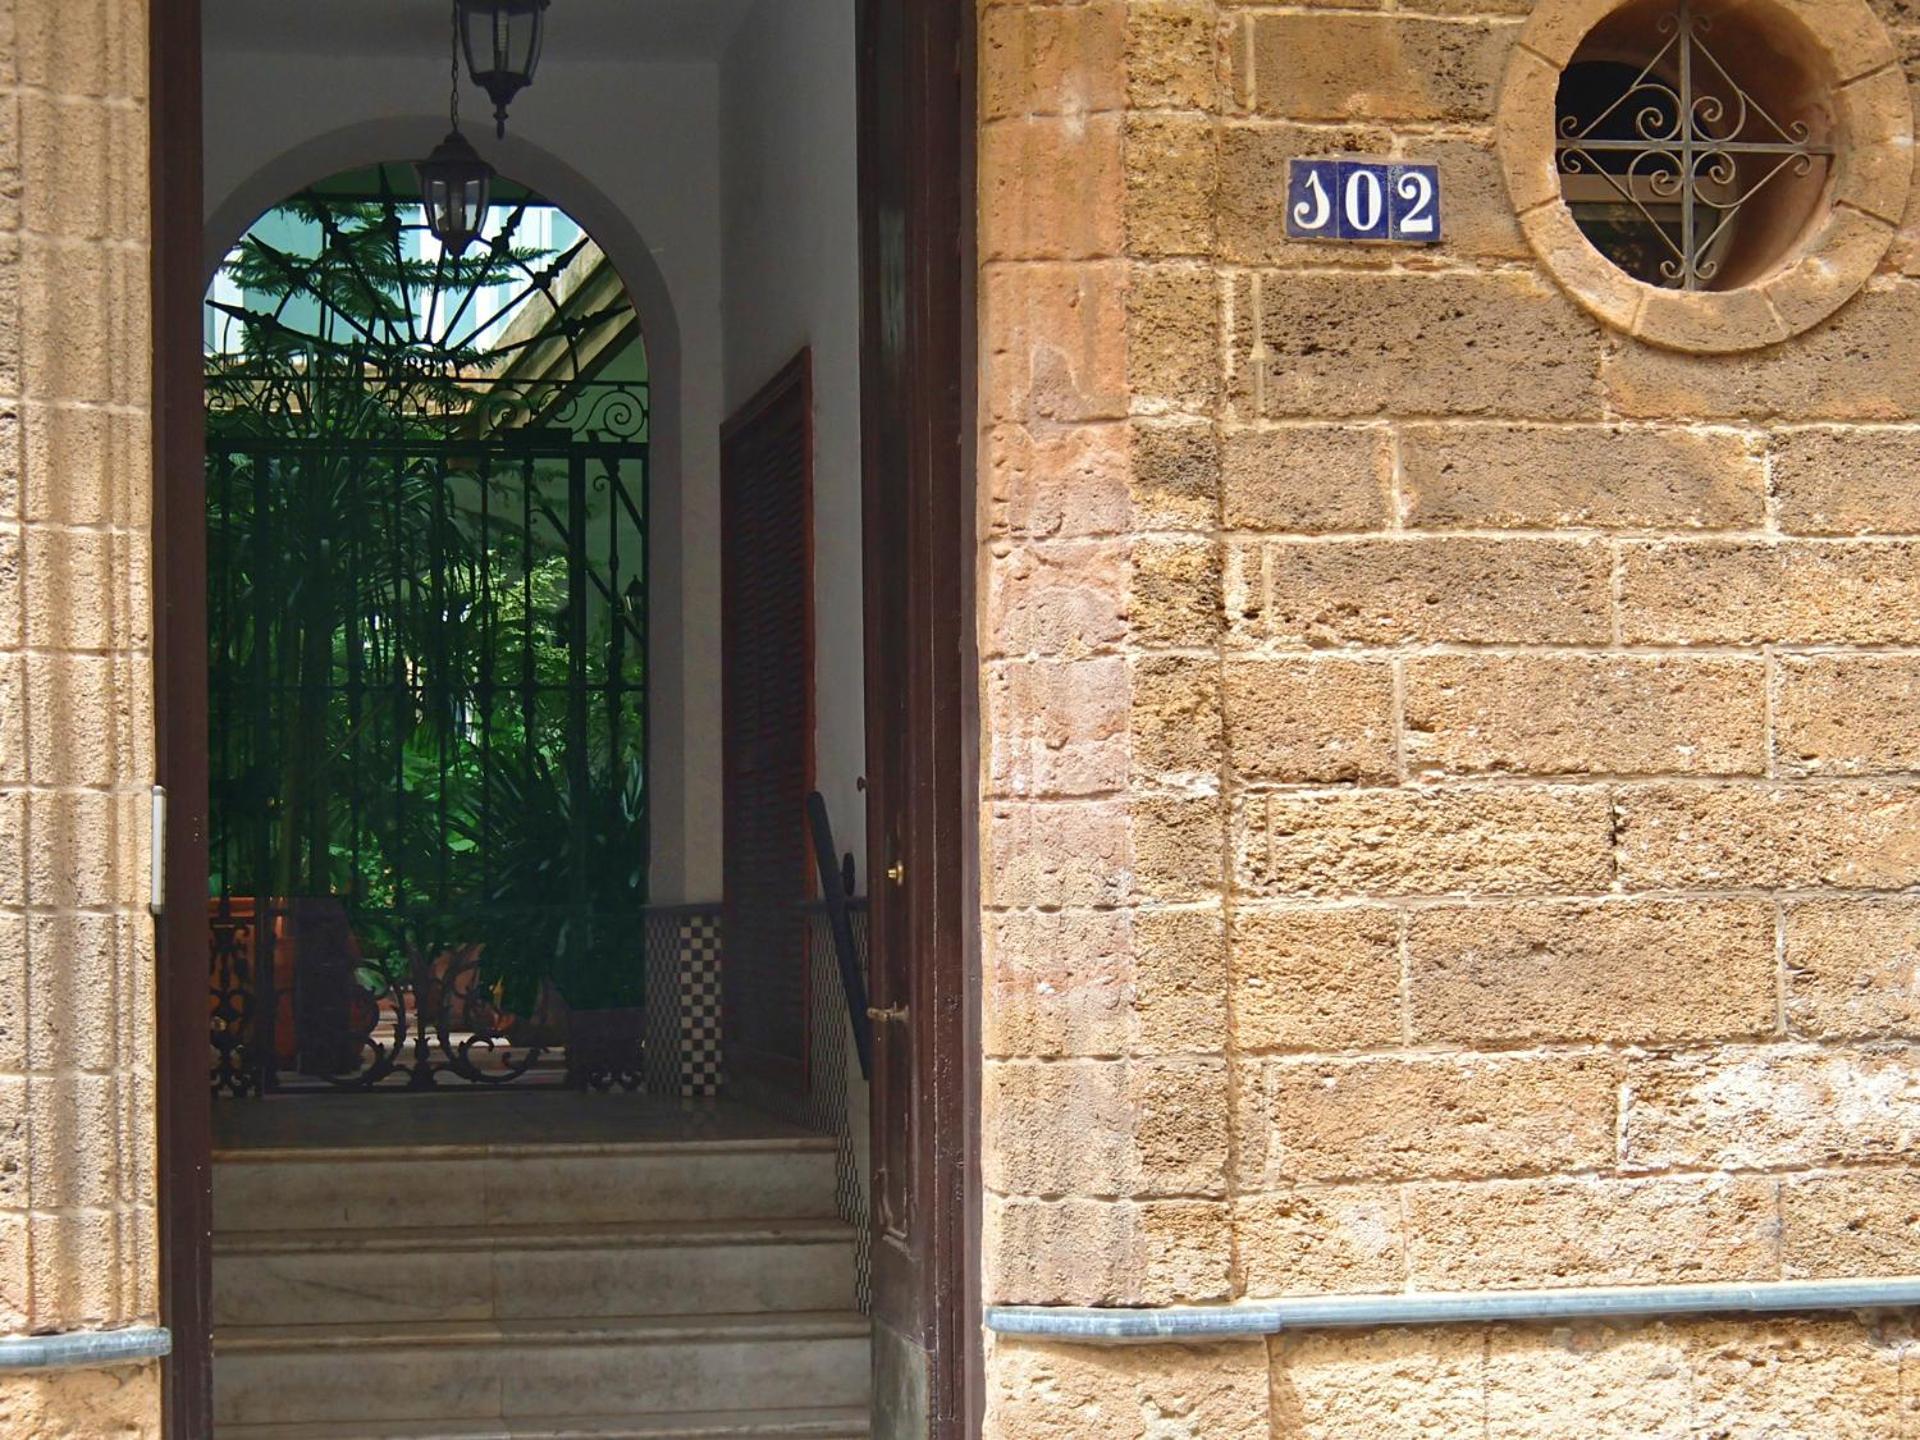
(682, 1283)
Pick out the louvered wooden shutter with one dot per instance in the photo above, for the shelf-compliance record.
(766, 538)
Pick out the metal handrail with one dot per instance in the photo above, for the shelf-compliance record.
(853, 985)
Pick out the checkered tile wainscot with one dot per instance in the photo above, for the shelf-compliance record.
(699, 1006)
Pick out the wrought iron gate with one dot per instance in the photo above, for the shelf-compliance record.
(428, 721)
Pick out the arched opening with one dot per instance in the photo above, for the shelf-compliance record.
(259, 181)
(427, 538)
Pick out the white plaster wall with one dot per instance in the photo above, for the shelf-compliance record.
(635, 145)
(790, 240)
(791, 235)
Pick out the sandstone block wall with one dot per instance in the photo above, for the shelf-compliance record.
(1452, 817)
(1451, 813)
(77, 1160)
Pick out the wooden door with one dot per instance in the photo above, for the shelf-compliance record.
(917, 352)
(766, 669)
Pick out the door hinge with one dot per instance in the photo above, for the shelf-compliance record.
(157, 861)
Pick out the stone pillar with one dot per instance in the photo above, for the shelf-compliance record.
(77, 1157)
(1105, 964)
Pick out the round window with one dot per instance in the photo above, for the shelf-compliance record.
(1706, 174)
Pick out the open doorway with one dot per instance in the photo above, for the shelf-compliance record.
(442, 713)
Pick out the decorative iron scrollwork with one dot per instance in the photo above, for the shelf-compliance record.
(296, 1006)
(231, 994)
(436, 1022)
(597, 412)
(1681, 148)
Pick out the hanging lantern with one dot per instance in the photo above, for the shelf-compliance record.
(454, 183)
(454, 180)
(502, 39)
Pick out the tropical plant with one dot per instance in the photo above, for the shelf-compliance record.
(568, 880)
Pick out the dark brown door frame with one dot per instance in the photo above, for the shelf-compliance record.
(181, 715)
(933, 41)
(180, 678)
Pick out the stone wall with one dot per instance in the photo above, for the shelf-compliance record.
(1452, 804)
(77, 1233)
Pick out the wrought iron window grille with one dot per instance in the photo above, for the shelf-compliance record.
(1659, 177)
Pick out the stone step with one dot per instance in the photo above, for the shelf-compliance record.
(505, 1272)
(464, 1186)
(543, 1371)
(832, 1424)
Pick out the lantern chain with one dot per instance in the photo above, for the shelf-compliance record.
(453, 57)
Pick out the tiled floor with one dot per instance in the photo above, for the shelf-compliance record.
(466, 1118)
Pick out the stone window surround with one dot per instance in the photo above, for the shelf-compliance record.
(1867, 196)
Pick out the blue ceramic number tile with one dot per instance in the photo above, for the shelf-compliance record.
(1364, 200)
(1312, 199)
(1364, 213)
(1414, 203)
